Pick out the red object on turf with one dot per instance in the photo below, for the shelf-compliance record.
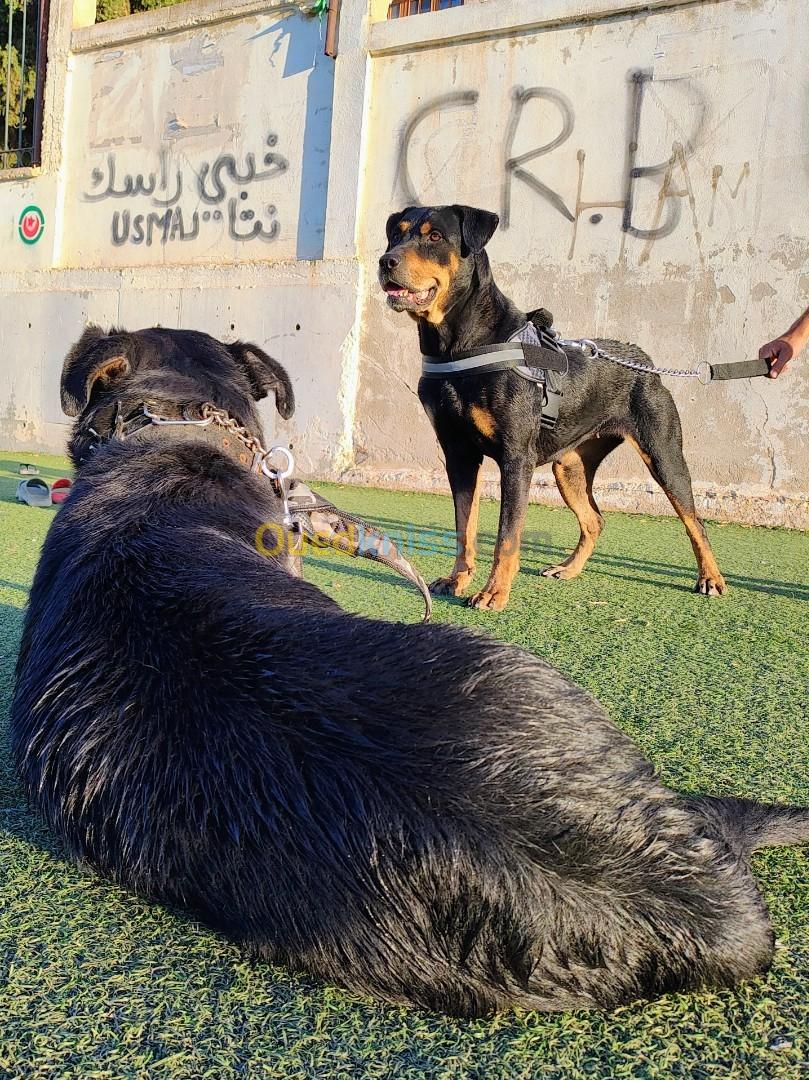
(60, 489)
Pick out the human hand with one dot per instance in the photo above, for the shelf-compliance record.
(778, 353)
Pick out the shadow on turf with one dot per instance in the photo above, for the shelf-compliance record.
(602, 563)
(15, 585)
(16, 820)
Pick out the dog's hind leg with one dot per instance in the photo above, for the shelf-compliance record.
(463, 470)
(659, 441)
(574, 473)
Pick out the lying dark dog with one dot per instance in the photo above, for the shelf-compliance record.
(212, 732)
(435, 268)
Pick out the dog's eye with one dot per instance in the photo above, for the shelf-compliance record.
(435, 236)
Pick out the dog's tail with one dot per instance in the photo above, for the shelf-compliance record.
(751, 825)
(265, 375)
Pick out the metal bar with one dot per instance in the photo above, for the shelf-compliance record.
(21, 125)
(8, 73)
(41, 69)
(332, 20)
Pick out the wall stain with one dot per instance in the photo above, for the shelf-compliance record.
(762, 291)
(716, 176)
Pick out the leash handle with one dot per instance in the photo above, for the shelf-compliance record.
(744, 369)
(320, 520)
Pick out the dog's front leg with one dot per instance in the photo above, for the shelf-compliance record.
(463, 470)
(515, 483)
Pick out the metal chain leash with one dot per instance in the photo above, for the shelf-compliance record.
(224, 420)
(702, 371)
(278, 476)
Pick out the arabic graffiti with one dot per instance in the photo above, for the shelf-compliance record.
(220, 184)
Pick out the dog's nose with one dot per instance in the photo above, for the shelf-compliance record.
(389, 261)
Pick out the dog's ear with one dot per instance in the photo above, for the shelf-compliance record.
(477, 228)
(265, 375)
(96, 357)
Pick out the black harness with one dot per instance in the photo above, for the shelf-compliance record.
(545, 365)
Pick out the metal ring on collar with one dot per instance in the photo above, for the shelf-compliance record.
(286, 470)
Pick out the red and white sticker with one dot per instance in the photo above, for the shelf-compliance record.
(31, 224)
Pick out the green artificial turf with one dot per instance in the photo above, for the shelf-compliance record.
(97, 983)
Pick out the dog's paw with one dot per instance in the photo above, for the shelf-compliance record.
(490, 599)
(711, 586)
(560, 572)
(455, 585)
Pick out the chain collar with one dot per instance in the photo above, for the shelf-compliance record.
(279, 477)
(261, 457)
(253, 455)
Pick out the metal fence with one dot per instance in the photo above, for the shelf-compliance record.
(399, 8)
(23, 47)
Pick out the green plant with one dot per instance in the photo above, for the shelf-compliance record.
(111, 9)
(151, 5)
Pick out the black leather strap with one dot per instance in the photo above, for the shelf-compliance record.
(111, 423)
(744, 369)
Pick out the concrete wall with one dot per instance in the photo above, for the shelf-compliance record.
(650, 170)
(209, 167)
(188, 186)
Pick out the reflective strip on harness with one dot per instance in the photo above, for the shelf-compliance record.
(480, 362)
(488, 358)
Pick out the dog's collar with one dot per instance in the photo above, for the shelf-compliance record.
(214, 426)
(304, 511)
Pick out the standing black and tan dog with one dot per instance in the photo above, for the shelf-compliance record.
(215, 733)
(436, 269)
